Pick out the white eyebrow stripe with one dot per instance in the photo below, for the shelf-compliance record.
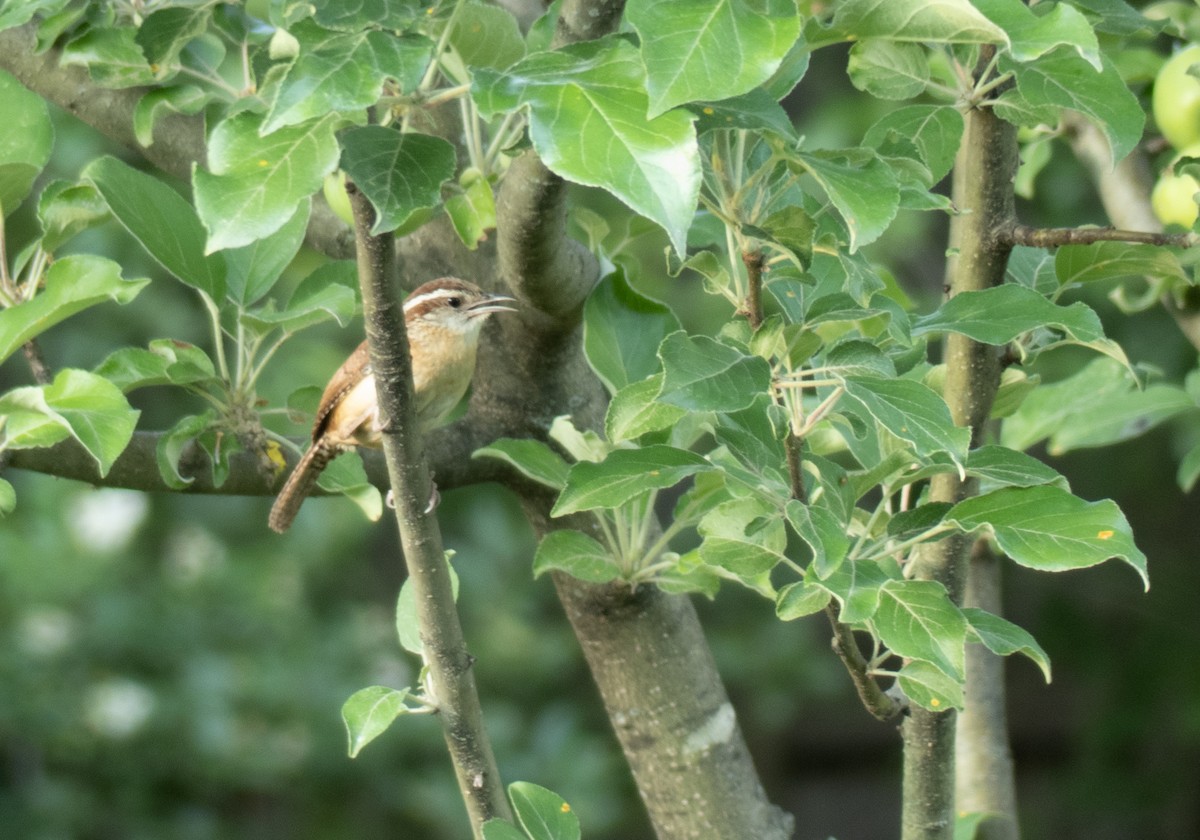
(436, 294)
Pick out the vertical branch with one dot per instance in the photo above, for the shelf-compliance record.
(985, 767)
(451, 679)
(980, 241)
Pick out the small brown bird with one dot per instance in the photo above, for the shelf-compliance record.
(443, 319)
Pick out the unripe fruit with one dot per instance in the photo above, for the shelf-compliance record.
(1176, 98)
(1172, 195)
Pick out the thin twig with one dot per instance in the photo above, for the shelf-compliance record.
(1056, 237)
(37, 362)
(752, 308)
(877, 701)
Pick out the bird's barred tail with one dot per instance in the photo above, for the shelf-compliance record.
(299, 485)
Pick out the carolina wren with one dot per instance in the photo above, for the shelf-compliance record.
(443, 319)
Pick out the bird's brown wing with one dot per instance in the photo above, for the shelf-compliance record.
(343, 381)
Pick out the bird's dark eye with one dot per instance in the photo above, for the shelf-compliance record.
(454, 302)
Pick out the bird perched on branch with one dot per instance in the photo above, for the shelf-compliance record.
(443, 319)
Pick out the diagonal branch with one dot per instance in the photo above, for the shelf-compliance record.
(452, 680)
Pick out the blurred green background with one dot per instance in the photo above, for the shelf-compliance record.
(171, 669)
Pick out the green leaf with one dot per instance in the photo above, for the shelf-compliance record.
(922, 21)
(401, 174)
(701, 374)
(1061, 81)
(705, 51)
(66, 209)
(1033, 35)
(929, 687)
(532, 458)
(1074, 264)
(624, 475)
(909, 524)
(577, 554)
(967, 825)
(78, 404)
(622, 329)
(253, 269)
(344, 73)
(1003, 466)
(888, 69)
(16, 14)
(1003, 637)
(181, 99)
(73, 284)
(912, 412)
(856, 585)
(25, 143)
(587, 121)
(1049, 529)
(347, 476)
(917, 620)
(369, 712)
(744, 536)
(408, 625)
(1002, 314)
(498, 829)
(1117, 17)
(392, 15)
(635, 410)
(1098, 406)
(174, 442)
(755, 110)
(824, 533)
(486, 36)
(796, 600)
(867, 196)
(162, 221)
(934, 132)
(165, 32)
(543, 813)
(254, 183)
(166, 362)
(1189, 469)
(111, 56)
(473, 212)
(8, 497)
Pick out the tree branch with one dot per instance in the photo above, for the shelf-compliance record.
(452, 680)
(1125, 193)
(1056, 237)
(877, 701)
(646, 650)
(983, 175)
(448, 450)
(986, 782)
(661, 690)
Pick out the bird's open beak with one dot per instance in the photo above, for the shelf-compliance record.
(493, 303)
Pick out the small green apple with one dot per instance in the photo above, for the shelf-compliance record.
(1172, 196)
(1176, 98)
